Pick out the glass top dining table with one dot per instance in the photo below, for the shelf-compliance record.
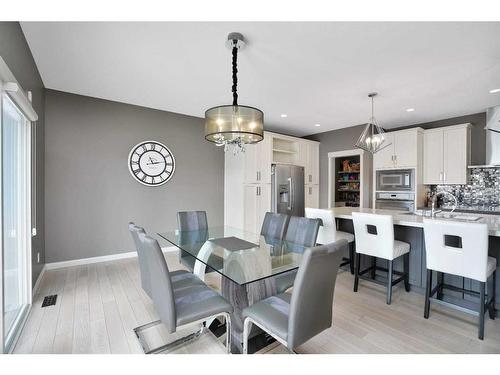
(240, 256)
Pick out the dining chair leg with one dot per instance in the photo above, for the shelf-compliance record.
(482, 301)
(389, 281)
(491, 309)
(373, 272)
(247, 324)
(440, 281)
(357, 257)
(428, 288)
(351, 257)
(406, 270)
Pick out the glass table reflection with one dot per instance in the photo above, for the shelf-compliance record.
(240, 256)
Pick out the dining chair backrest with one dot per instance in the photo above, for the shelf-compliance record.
(274, 225)
(374, 234)
(192, 220)
(302, 231)
(135, 231)
(161, 286)
(457, 248)
(327, 231)
(312, 297)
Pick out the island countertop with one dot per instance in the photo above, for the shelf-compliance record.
(411, 220)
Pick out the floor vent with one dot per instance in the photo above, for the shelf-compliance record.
(49, 300)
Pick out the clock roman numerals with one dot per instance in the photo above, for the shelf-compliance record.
(151, 163)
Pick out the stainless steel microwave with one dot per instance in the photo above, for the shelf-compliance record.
(396, 180)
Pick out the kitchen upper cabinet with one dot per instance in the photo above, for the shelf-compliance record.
(456, 155)
(311, 196)
(402, 150)
(385, 157)
(257, 201)
(258, 159)
(311, 165)
(433, 157)
(446, 155)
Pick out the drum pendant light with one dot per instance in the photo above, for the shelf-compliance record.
(234, 126)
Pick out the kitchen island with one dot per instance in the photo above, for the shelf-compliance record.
(408, 227)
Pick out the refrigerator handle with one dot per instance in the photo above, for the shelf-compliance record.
(290, 193)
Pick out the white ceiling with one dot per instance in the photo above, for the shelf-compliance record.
(313, 72)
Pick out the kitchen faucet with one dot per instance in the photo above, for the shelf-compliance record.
(434, 199)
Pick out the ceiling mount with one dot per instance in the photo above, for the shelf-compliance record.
(235, 39)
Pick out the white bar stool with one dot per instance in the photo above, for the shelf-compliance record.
(460, 249)
(328, 233)
(375, 238)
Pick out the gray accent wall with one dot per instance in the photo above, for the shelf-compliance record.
(90, 194)
(344, 139)
(17, 55)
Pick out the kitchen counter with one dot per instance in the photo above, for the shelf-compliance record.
(411, 220)
(408, 227)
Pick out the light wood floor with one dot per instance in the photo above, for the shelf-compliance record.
(98, 305)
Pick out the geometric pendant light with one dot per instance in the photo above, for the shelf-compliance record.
(234, 125)
(372, 139)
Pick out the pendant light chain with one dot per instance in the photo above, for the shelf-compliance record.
(372, 108)
(235, 72)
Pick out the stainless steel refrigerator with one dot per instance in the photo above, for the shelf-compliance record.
(287, 189)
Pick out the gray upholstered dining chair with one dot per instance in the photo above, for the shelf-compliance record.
(180, 278)
(301, 232)
(193, 225)
(193, 302)
(294, 319)
(274, 226)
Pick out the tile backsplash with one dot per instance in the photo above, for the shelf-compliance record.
(482, 193)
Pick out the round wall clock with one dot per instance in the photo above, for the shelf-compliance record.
(151, 163)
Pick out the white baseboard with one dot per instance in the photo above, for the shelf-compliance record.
(99, 259)
(38, 280)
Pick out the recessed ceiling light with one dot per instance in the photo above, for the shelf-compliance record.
(283, 115)
(410, 110)
(317, 124)
(494, 91)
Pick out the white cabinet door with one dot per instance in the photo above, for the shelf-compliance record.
(264, 201)
(385, 157)
(251, 160)
(455, 156)
(405, 149)
(258, 159)
(257, 203)
(433, 157)
(250, 219)
(312, 166)
(311, 196)
(265, 159)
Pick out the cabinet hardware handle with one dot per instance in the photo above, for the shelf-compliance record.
(444, 176)
(310, 178)
(440, 176)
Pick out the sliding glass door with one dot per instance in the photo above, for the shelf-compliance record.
(16, 217)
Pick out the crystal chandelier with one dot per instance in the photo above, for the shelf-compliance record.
(234, 126)
(372, 139)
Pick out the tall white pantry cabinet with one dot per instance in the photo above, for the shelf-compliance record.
(247, 177)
